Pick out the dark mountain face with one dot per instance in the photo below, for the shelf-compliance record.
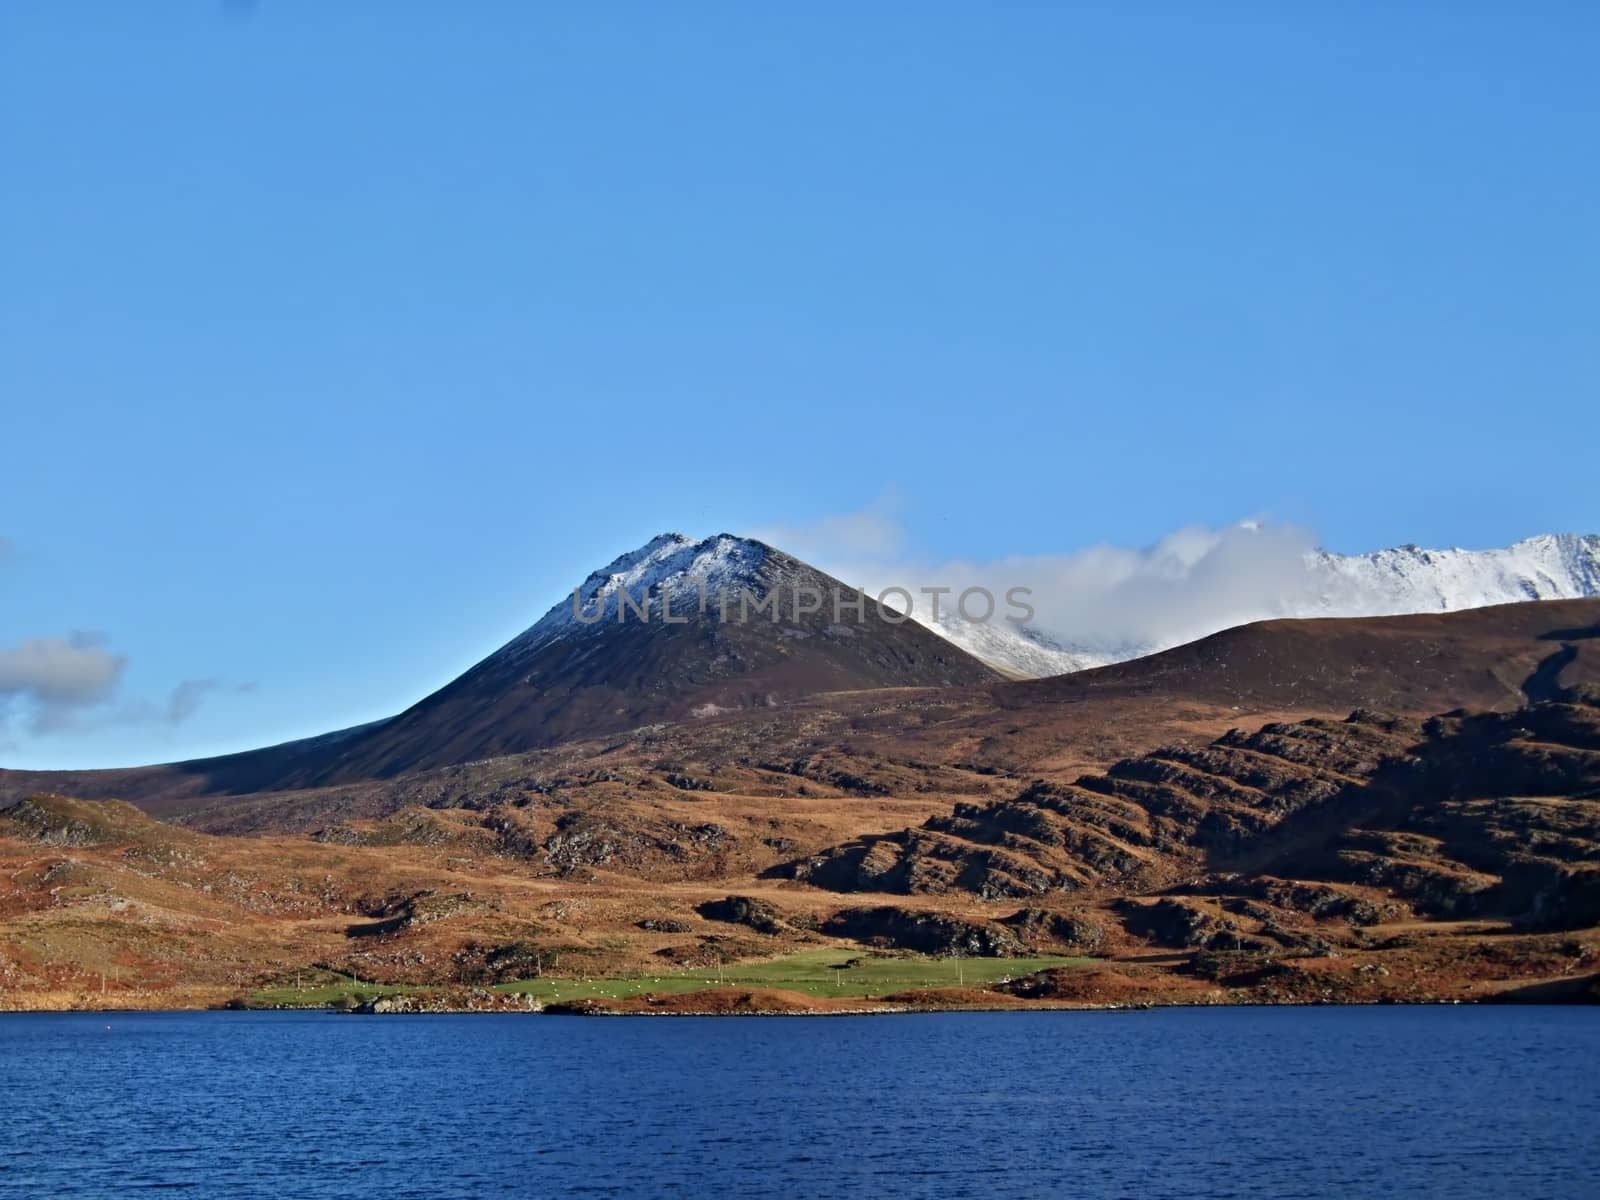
(565, 679)
(1494, 657)
(675, 630)
(664, 660)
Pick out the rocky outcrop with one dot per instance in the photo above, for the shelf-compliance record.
(923, 932)
(664, 925)
(1075, 932)
(1489, 815)
(1145, 822)
(760, 915)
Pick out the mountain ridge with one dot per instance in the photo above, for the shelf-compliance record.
(1395, 581)
(674, 570)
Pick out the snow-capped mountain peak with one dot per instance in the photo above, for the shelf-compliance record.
(689, 575)
(1413, 579)
(1403, 579)
(669, 565)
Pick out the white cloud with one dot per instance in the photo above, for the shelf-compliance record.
(55, 672)
(872, 534)
(69, 684)
(1191, 582)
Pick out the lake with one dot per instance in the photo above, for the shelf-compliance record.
(1280, 1103)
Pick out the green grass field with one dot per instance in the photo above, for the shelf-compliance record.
(828, 972)
(320, 989)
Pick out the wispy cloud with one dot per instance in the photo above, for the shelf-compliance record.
(873, 534)
(70, 684)
(185, 699)
(1191, 582)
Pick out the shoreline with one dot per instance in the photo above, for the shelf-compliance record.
(884, 1011)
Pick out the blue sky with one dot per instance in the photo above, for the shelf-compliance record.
(336, 341)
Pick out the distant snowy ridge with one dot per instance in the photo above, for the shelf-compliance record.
(1406, 579)
(1410, 579)
(673, 568)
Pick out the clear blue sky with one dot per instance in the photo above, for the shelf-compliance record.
(336, 341)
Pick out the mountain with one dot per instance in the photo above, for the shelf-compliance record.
(912, 744)
(629, 667)
(1406, 579)
(1310, 858)
(617, 663)
(1207, 824)
(1496, 657)
(634, 646)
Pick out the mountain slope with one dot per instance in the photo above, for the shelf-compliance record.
(634, 647)
(1488, 814)
(1406, 579)
(1416, 663)
(564, 678)
(1483, 658)
(917, 744)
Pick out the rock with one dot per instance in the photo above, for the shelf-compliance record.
(924, 932)
(760, 915)
(1174, 923)
(664, 925)
(1073, 930)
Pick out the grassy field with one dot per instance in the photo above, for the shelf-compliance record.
(830, 972)
(319, 989)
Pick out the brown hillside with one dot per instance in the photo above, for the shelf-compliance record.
(934, 745)
(1477, 658)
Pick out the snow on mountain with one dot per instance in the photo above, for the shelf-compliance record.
(1410, 579)
(1316, 583)
(670, 565)
(1010, 648)
(1406, 579)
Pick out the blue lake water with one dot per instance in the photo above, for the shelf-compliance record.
(1280, 1103)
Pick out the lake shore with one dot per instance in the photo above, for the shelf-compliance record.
(740, 1001)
